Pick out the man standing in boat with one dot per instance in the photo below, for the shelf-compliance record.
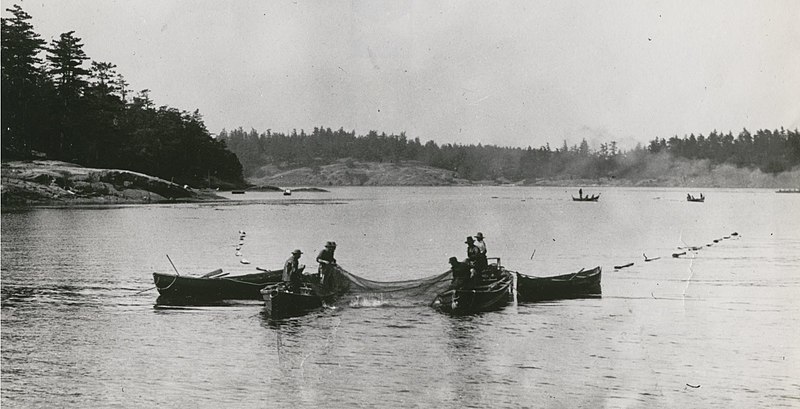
(291, 271)
(326, 260)
(480, 244)
(476, 259)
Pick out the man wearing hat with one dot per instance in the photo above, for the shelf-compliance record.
(480, 244)
(476, 259)
(460, 273)
(291, 271)
(326, 260)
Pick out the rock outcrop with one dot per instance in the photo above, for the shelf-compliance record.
(45, 182)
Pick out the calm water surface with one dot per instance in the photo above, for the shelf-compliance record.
(715, 328)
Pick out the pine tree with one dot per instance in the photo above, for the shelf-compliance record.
(66, 58)
(22, 78)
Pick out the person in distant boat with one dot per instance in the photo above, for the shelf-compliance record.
(480, 244)
(476, 260)
(688, 196)
(460, 273)
(326, 260)
(291, 271)
(580, 193)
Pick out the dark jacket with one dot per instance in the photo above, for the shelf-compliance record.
(291, 270)
(325, 255)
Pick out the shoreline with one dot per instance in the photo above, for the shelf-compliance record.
(54, 184)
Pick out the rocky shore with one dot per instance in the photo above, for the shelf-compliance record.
(44, 182)
(348, 172)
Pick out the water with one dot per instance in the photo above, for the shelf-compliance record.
(77, 331)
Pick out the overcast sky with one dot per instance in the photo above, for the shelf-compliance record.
(510, 73)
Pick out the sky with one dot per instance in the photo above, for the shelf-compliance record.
(510, 73)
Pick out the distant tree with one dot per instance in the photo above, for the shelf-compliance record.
(583, 150)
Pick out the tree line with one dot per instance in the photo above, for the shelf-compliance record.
(771, 151)
(57, 104)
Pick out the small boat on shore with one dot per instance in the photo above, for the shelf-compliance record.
(489, 294)
(280, 301)
(699, 199)
(584, 283)
(287, 192)
(215, 285)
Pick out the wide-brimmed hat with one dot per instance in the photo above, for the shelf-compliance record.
(470, 240)
(453, 260)
(479, 235)
(297, 251)
(330, 244)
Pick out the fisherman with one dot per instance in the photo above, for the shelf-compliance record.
(476, 260)
(460, 273)
(291, 271)
(326, 260)
(480, 244)
(580, 193)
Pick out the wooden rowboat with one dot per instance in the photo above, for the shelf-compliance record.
(215, 286)
(592, 198)
(487, 295)
(279, 301)
(584, 283)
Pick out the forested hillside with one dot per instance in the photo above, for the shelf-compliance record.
(765, 151)
(57, 104)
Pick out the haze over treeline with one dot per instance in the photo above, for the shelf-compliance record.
(57, 104)
(769, 151)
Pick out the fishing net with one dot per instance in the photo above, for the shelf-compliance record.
(362, 291)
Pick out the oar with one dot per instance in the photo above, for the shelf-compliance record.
(173, 265)
(212, 273)
(152, 288)
(573, 276)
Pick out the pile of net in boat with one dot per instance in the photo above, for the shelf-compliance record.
(361, 291)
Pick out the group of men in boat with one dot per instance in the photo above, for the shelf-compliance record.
(465, 272)
(473, 267)
(292, 274)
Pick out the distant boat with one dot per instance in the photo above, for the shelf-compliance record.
(287, 192)
(700, 199)
(592, 198)
(787, 191)
(237, 192)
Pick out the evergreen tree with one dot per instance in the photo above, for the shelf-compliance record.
(66, 58)
(22, 80)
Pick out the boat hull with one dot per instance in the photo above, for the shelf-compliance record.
(489, 295)
(242, 287)
(586, 199)
(583, 284)
(280, 302)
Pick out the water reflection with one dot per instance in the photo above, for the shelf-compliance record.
(465, 354)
